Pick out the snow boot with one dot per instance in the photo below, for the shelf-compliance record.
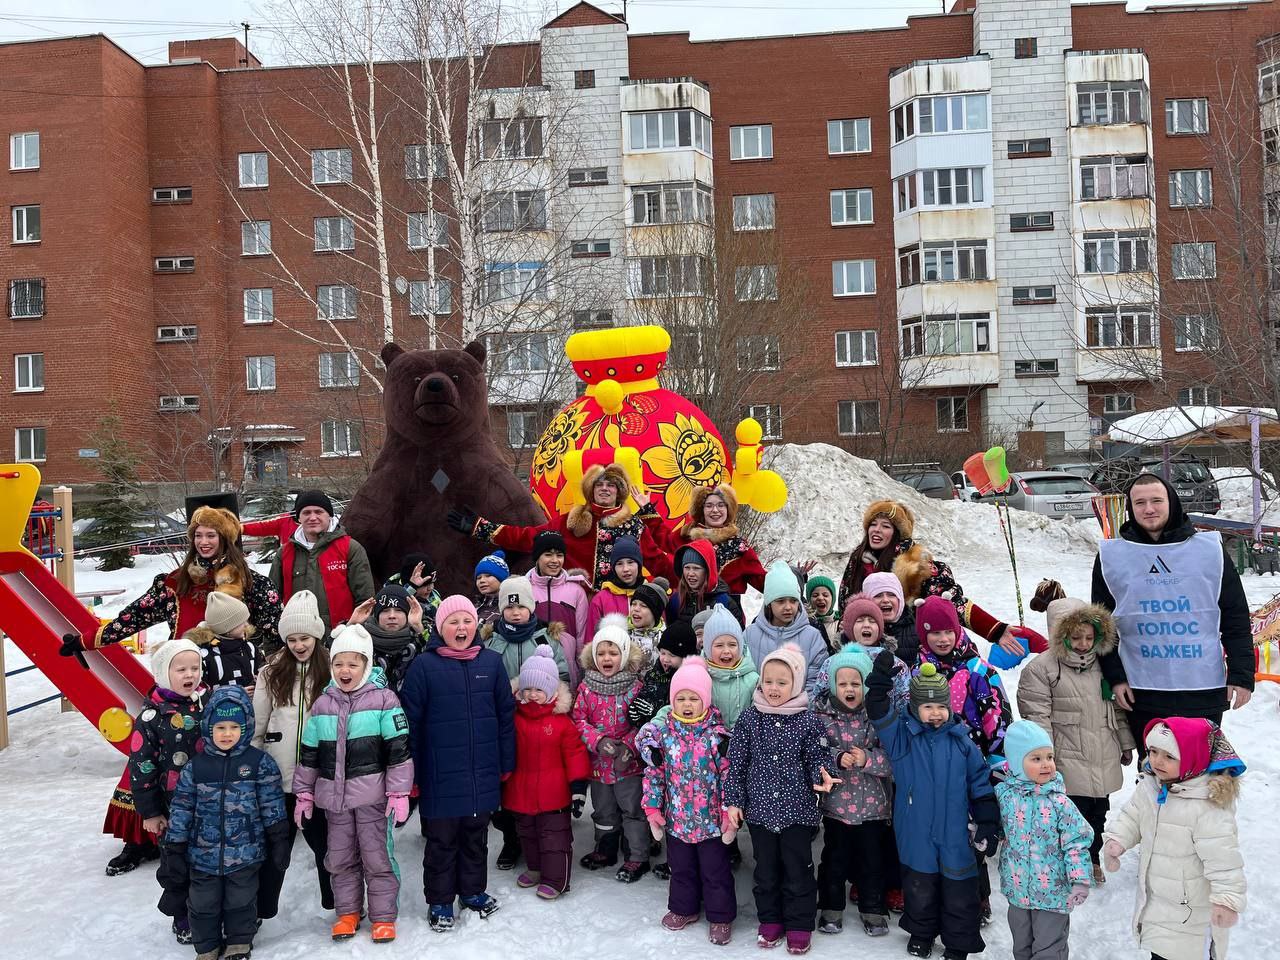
(951, 954)
(238, 951)
(547, 892)
(509, 855)
(678, 921)
(131, 857)
(440, 916)
(874, 924)
(920, 947)
(530, 878)
(894, 900)
(631, 871)
(830, 921)
(721, 934)
(769, 935)
(384, 931)
(181, 928)
(662, 870)
(604, 855)
(482, 904)
(210, 954)
(798, 941)
(346, 926)
(984, 913)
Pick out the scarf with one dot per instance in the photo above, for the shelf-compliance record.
(614, 686)
(449, 653)
(797, 704)
(692, 720)
(516, 633)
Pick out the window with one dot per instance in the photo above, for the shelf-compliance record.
(518, 354)
(511, 139)
(669, 130)
(584, 79)
(1125, 251)
(255, 238)
(523, 428)
(1114, 101)
(756, 283)
(1120, 326)
(751, 143)
(175, 334)
(951, 114)
(904, 122)
(1035, 368)
(331, 166)
(947, 188)
(753, 211)
(26, 299)
(509, 210)
(950, 260)
(1104, 178)
(171, 195)
(1268, 81)
(428, 229)
(760, 352)
(1030, 222)
(908, 266)
(1117, 403)
(175, 264)
(856, 348)
(1271, 145)
(853, 278)
(952, 414)
(1186, 116)
(849, 136)
(253, 169)
(511, 281)
(1194, 261)
(905, 193)
(339, 438)
(29, 444)
(1191, 188)
(588, 176)
(856, 418)
(28, 373)
(336, 302)
(1200, 396)
(946, 334)
(26, 224)
(339, 370)
(1024, 48)
(1027, 295)
(334, 233)
(427, 298)
(1195, 332)
(851, 206)
(24, 151)
(423, 161)
(663, 276)
(591, 248)
(260, 373)
(769, 416)
(1271, 211)
(592, 319)
(678, 202)
(1035, 147)
(259, 305)
(181, 403)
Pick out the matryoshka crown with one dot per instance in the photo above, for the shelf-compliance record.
(624, 354)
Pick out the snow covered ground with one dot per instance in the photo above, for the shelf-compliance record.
(56, 779)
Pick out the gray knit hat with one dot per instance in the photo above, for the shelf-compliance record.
(929, 686)
(301, 615)
(223, 613)
(516, 592)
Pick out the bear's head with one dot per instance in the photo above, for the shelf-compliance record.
(431, 394)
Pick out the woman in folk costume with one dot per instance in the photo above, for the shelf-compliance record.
(713, 516)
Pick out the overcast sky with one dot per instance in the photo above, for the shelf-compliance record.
(145, 26)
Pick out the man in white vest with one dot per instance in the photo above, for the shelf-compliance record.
(1185, 644)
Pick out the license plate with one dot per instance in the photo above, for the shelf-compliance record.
(1068, 506)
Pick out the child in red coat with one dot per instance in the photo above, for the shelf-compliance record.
(552, 767)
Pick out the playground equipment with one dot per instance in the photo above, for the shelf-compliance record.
(107, 686)
(1265, 622)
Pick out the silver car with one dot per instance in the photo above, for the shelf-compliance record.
(1051, 493)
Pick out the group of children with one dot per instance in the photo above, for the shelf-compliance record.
(880, 726)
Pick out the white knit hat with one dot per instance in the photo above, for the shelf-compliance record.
(516, 592)
(163, 655)
(301, 615)
(223, 613)
(353, 638)
(612, 629)
(1162, 738)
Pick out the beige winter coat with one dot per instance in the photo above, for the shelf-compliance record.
(278, 727)
(1189, 859)
(1062, 692)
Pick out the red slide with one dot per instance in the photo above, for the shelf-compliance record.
(109, 685)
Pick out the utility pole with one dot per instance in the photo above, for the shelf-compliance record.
(245, 59)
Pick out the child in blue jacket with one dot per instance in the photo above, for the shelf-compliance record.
(227, 816)
(942, 781)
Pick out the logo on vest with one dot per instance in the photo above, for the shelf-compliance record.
(1160, 566)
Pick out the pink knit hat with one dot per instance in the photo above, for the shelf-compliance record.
(454, 604)
(692, 675)
(860, 605)
(876, 583)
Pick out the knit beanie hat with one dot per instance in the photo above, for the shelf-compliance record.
(814, 582)
(229, 710)
(850, 657)
(163, 655)
(780, 582)
(937, 613)
(860, 605)
(699, 621)
(793, 658)
(653, 594)
(494, 564)
(353, 638)
(312, 498)
(301, 615)
(1160, 736)
(392, 596)
(456, 603)
(692, 675)
(410, 562)
(223, 613)
(540, 672)
(878, 583)
(626, 548)
(613, 629)
(721, 623)
(516, 592)
(1021, 738)
(546, 541)
(679, 639)
(929, 686)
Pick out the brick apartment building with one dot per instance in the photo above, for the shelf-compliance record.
(1015, 218)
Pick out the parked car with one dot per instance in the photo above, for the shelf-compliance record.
(1082, 469)
(934, 484)
(964, 486)
(1190, 477)
(1051, 493)
(161, 534)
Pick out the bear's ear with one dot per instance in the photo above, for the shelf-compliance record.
(476, 349)
(390, 352)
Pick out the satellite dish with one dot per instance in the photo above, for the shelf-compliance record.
(402, 286)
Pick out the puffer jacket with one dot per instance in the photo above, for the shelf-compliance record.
(901, 695)
(601, 711)
(864, 792)
(279, 725)
(228, 807)
(515, 644)
(165, 737)
(763, 637)
(610, 598)
(774, 762)
(550, 758)
(1064, 693)
(564, 599)
(978, 697)
(355, 747)
(1188, 861)
(731, 687)
(686, 781)
(1046, 848)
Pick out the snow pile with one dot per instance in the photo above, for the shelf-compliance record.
(1235, 486)
(1173, 423)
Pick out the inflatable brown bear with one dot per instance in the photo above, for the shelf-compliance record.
(438, 455)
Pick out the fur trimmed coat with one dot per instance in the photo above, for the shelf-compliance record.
(600, 711)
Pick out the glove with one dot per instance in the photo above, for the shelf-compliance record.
(1078, 895)
(278, 846)
(398, 807)
(656, 822)
(1111, 851)
(608, 747)
(624, 756)
(464, 520)
(1220, 916)
(985, 837)
(72, 644)
(579, 801)
(173, 866)
(640, 711)
(302, 810)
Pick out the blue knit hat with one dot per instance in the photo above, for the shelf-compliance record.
(780, 582)
(494, 564)
(850, 656)
(626, 548)
(721, 623)
(1021, 738)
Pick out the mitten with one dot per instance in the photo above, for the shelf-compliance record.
(1220, 916)
(72, 644)
(1078, 895)
(302, 810)
(464, 520)
(625, 755)
(656, 822)
(880, 685)
(278, 845)
(173, 863)
(398, 807)
(1111, 851)
(985, 837)
(607, 747)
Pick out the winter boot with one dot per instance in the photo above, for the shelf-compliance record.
(798, 941)
(237, 951)
(440, 916)
(919, 947)
(678, 921)
(181, 928)
(547, 892)
(384, 931)
(604, 855)
(662, 870)
(530, 878)
(894, 900)
(509, 855)
(210, 954)
(984, 912)
(1099, 875)
(721, 934)
(874, 924)
(482, 904)
(769, 935)
(346, 926)
(951, 954)
(131, 857)
(830, 921)
(631, 871)
(853, 893)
